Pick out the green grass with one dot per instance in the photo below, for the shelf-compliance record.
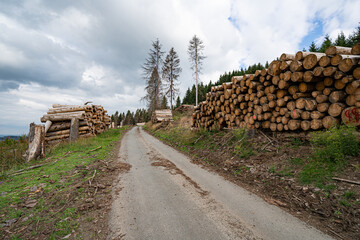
(11, 153)
(65, 165)
(243, 147)
(296, 161)
(349, 195)
(331, 149)
(296, 143)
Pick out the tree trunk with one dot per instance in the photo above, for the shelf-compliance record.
(287, 57)
(349, 63)
(294, 124)
(333, 50)
(335, 109)
(337, 96)
(36, 142)
(355, 50)
(329, 122)
(356, 73)
(74, 130)
(324, 61)
(316, 124)
(311, 60)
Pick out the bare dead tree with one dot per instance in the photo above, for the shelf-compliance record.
(151, 73)
(170, 72)
(196, 56)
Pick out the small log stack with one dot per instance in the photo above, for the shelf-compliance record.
(302, 91)
(93, 120)
(162, 115)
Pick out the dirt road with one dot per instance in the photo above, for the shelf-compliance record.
(165, 196)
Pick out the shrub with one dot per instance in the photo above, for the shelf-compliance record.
(243, 148)
(330, 150)
(335, 144)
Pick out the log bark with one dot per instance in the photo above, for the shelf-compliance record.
(294, 124)
(310, 104)
(318, 71)
(306, 87)
(47, 125)
(329, 71)
(317, 115)
(305, 125)
(311, 60)
(287, 57)
(300, 55)
(333, 50)
(339, 84)
(335, 109)
(355, 50)
(296, 66)
(305, 115)
(322, 98)
(36, 142)
(337, 96)
(297, 76)
(63, 116)
(356, 73)
(316, 124)
(330, 121)
(351, 116)
(274, 68)
(74, 130)
(324, 61)
(351, 87)
(349, 64)
(323, 107)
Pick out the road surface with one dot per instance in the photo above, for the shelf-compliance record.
(165, 196)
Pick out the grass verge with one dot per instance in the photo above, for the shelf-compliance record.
(42, 202)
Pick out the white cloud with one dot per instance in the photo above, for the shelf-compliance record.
(73, 52)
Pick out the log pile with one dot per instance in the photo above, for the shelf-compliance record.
(185, 108)
(162, 115)
(302, 91)
(93, 120)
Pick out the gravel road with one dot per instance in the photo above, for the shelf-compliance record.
(165, 196)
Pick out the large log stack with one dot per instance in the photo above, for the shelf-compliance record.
(93, 120)
(306, 91)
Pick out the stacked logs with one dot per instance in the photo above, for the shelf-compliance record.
(305, 91)
(93, 120)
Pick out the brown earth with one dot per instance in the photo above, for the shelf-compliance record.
(271, 173)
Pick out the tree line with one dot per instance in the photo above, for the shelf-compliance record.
(130, 118)
(340, 40)
(162, 76)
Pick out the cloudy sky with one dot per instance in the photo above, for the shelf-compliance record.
(70, 52)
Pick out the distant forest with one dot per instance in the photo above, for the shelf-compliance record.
(341, 40)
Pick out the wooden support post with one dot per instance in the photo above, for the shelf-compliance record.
(74, 129)
(36, 142)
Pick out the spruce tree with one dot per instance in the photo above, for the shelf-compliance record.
(151, 73)
(178, 102)
(313, 48)
(171, 71)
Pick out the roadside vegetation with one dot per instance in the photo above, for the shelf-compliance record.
(46, 199)
(301, 172)
(12, 153)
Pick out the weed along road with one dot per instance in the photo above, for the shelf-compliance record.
(165, 196)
